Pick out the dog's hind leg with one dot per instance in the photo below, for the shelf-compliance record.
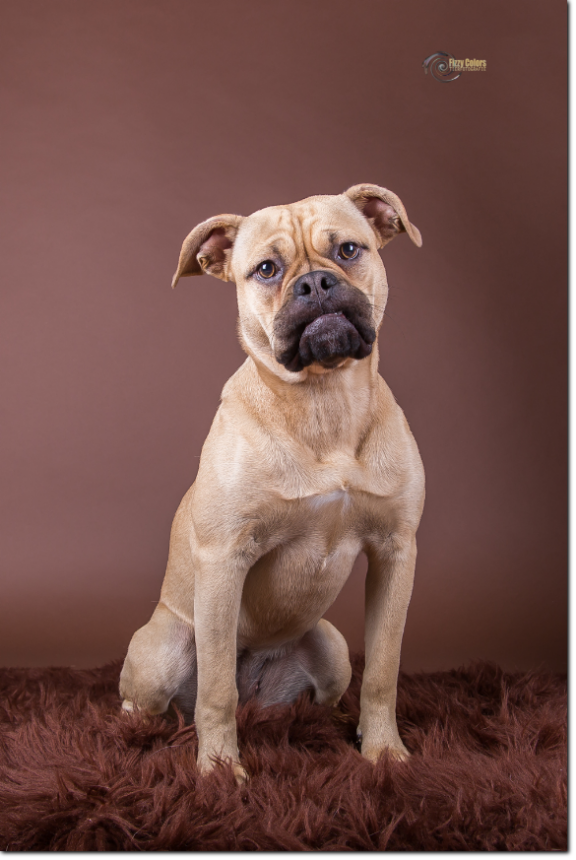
(326, 651)
(161, 660)
(318, 662)
(160, 664)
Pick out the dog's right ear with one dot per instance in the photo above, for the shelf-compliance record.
(207, 248)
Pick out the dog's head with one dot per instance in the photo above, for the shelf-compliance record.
(311, 285)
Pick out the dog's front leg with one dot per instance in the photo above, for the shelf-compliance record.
(388, 589)
(217, 597)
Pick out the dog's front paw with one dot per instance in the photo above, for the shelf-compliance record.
(206, 765)
(397, 752)
(372, 751)
(240, 774)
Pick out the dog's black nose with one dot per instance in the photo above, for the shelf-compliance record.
(320, 283)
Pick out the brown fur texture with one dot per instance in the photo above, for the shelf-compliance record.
(488, 770)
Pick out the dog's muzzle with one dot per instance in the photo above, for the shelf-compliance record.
(325, 320)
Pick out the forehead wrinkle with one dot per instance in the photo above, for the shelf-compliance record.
(263, 233)
(300, 246)
(266, 221)
(278, 244)
(305, 217)
(324, 225)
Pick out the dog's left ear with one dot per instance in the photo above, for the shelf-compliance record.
(207, 248)
(385, 211)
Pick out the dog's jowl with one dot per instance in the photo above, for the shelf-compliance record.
(309, 462)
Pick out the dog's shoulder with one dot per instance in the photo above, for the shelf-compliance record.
(389, 448)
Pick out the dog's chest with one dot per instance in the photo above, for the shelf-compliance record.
(336, 501)
(291, 587)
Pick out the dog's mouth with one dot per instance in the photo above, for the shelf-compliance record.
(326, 338)
(330, 339)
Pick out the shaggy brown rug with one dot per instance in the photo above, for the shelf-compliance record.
(488, 770)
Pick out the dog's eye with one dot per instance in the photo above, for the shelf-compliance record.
(267, 269)
(348, 250)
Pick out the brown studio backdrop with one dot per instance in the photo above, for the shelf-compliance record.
(125, 124)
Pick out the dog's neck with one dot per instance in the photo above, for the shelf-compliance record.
(324, 411)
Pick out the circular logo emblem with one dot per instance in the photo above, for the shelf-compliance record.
(438, 65)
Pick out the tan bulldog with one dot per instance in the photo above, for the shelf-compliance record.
(309, 462)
